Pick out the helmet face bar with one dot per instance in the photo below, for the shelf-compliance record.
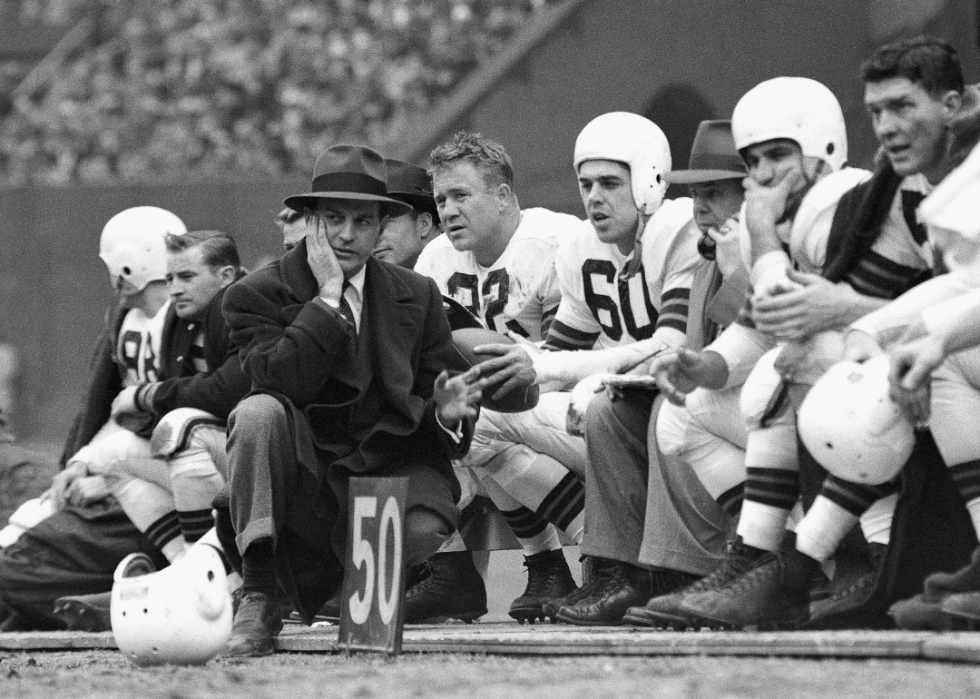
(799, 109)
(132, 245)
(639, 144)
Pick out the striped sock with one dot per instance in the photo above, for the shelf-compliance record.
(164, 533)
(770, 494)
(564, 506)
(195, 523)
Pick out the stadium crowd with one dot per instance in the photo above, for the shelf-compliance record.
(254, 87)
(752, 407)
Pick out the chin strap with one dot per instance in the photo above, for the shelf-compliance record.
(634, 264)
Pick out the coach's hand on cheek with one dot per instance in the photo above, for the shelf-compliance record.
(324, 265)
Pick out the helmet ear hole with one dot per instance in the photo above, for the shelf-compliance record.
(127, 271)
(830, 149)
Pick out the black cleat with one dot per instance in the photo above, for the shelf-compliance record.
(85, 612)
(454, 589)
(548, 577)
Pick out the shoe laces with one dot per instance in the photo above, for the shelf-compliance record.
(611, 577)
(738, 560)
(541, 575)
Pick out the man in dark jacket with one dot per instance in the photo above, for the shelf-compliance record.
(348, 357)
(82, 543)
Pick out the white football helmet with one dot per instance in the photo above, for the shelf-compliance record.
(636, 141)
(132, 245)
(180, 615)
(851, 426)
(800, 109)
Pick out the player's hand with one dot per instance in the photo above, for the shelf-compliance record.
(324, 265)
(87, 490)
(859, 346)
(125, 401)
(511, 367)
(63, 480)
(728, 252)
(765, 204)
(458, 397)
(802, 312)
(912, 365)
(678, 373)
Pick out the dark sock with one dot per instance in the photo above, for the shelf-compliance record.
(259, 568)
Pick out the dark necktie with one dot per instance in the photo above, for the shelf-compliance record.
(344, 308)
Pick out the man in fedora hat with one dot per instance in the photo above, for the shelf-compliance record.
(405, 236)
(624, 458)
(348, 358)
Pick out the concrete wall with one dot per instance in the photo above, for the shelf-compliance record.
(698, 57)
(679, 61)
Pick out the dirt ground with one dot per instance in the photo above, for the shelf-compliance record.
(107, 674)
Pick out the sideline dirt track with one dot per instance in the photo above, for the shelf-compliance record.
(633, 663)
(107, 675)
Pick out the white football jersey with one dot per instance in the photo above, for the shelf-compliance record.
(519, 291)
(595, 299)
(138, 346)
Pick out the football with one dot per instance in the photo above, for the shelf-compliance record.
(514, 401)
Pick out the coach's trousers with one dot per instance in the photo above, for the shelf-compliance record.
(640, 507)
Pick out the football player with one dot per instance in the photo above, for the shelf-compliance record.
(625, 277)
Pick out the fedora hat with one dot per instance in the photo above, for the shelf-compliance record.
(713, 156)
(349, 172)
(412, 185)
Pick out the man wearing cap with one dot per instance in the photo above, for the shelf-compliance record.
(659, 531)
(348, 359)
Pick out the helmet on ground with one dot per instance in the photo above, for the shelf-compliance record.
(132, 244)
(852, 428)
(799, 109)
(180, 615)
(638, 143)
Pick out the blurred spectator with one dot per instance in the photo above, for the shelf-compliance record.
(203, 87)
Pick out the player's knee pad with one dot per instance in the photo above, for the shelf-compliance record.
(487, 442)
(760, 398)
(671, 428)
(112, 452)
(185, 428)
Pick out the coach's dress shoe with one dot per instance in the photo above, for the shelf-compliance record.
(548, 577)
(771, 592)
(629, 586)
(85, 612)
(454, 589)
(258, 619)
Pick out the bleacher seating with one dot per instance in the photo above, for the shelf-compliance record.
(252, 87)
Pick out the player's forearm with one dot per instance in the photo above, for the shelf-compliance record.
(853, 306)
(889, 321)
(568, 367)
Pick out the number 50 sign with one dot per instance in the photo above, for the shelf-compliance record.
(371, 614)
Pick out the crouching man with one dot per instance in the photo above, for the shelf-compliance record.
(348, 358)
